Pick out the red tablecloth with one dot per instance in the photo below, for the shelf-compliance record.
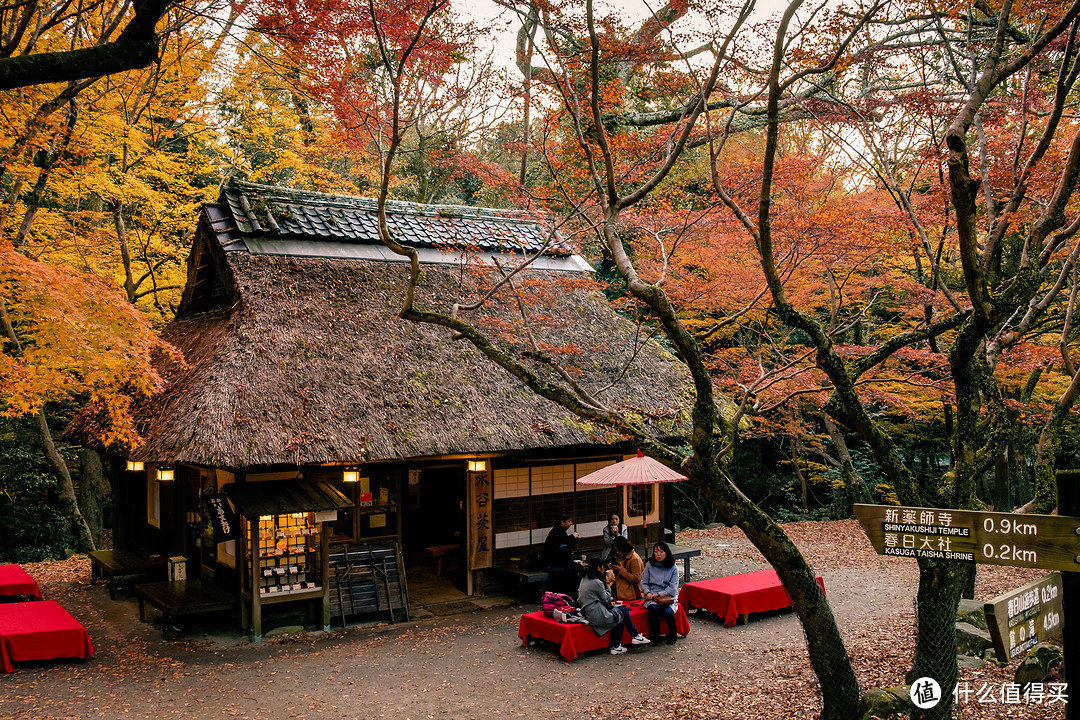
(16, 581)
(576, 638)
(40, 630)
(735, 595)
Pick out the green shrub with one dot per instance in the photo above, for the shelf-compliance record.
(31, 507)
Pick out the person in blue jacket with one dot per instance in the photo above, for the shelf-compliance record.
(660, 585)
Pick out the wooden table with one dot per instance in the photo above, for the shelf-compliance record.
(180, 598)
(440, 552)
(16, 581)
(736, 596)
(576, 638)
(40, 630)
(113, 564)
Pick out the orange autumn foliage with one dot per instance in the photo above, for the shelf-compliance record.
(78, 338)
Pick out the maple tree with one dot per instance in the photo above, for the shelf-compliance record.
(444, 95)
(86, 341)
(973, 322)
(605, 171)
(613, 172)
(866, 287)
(97, 177)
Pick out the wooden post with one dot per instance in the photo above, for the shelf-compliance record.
(1069, 504)
(324, 562)
(252, 555)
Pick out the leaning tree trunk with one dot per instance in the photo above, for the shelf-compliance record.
(1069, 504)
(857, 490)
(67, 487)
(828, 655)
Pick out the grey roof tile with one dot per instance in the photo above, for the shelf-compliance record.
(321, 217)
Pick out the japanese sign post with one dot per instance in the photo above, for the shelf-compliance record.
(1019, 620)
(481, 525)
(1041, 541)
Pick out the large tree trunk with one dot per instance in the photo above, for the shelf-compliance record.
(935, 647)
(828, 655)
(91, 492)
(1069, 504)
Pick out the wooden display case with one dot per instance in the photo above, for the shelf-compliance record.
(285, 561)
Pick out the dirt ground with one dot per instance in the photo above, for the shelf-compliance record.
(472, 665)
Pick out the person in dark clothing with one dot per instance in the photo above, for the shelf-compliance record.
(564, 575)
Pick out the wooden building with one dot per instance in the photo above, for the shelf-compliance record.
(319, 426)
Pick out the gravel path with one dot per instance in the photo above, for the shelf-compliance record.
(473, 666)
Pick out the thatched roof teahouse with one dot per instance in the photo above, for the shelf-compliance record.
(301, 381)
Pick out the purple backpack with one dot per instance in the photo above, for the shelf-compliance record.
(553, 600)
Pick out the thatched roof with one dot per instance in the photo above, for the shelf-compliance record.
(304, 360)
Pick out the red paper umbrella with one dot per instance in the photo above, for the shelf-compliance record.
(640, 470)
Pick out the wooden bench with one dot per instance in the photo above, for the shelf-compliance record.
(439, 552)
(181, 598)
(681, 552)
(114, 564)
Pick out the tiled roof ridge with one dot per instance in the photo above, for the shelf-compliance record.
(397, 207)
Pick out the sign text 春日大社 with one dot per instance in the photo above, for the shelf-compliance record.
(1023, 540)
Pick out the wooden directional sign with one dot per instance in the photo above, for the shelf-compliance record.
(1023, 618)
(1051, 542)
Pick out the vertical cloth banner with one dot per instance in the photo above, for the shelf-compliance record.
(222, 518)
(481, 530)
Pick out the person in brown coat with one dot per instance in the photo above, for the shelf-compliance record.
(625, 570)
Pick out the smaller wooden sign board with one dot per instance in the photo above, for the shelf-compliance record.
(1021, 619)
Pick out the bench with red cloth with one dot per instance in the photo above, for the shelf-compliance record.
(737, 596)
(40, 630)
(16, 581)
(576, 638)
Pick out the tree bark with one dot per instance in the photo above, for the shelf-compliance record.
(67, 487)
(1069, 504)
(1002, 488)
(91, 491)
(857, 490)
(136, 47)
(935, 646)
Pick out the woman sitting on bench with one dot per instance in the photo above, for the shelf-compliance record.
(594, 599)
(660, 583)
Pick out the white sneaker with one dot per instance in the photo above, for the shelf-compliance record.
(640, 639)
(618, 650)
